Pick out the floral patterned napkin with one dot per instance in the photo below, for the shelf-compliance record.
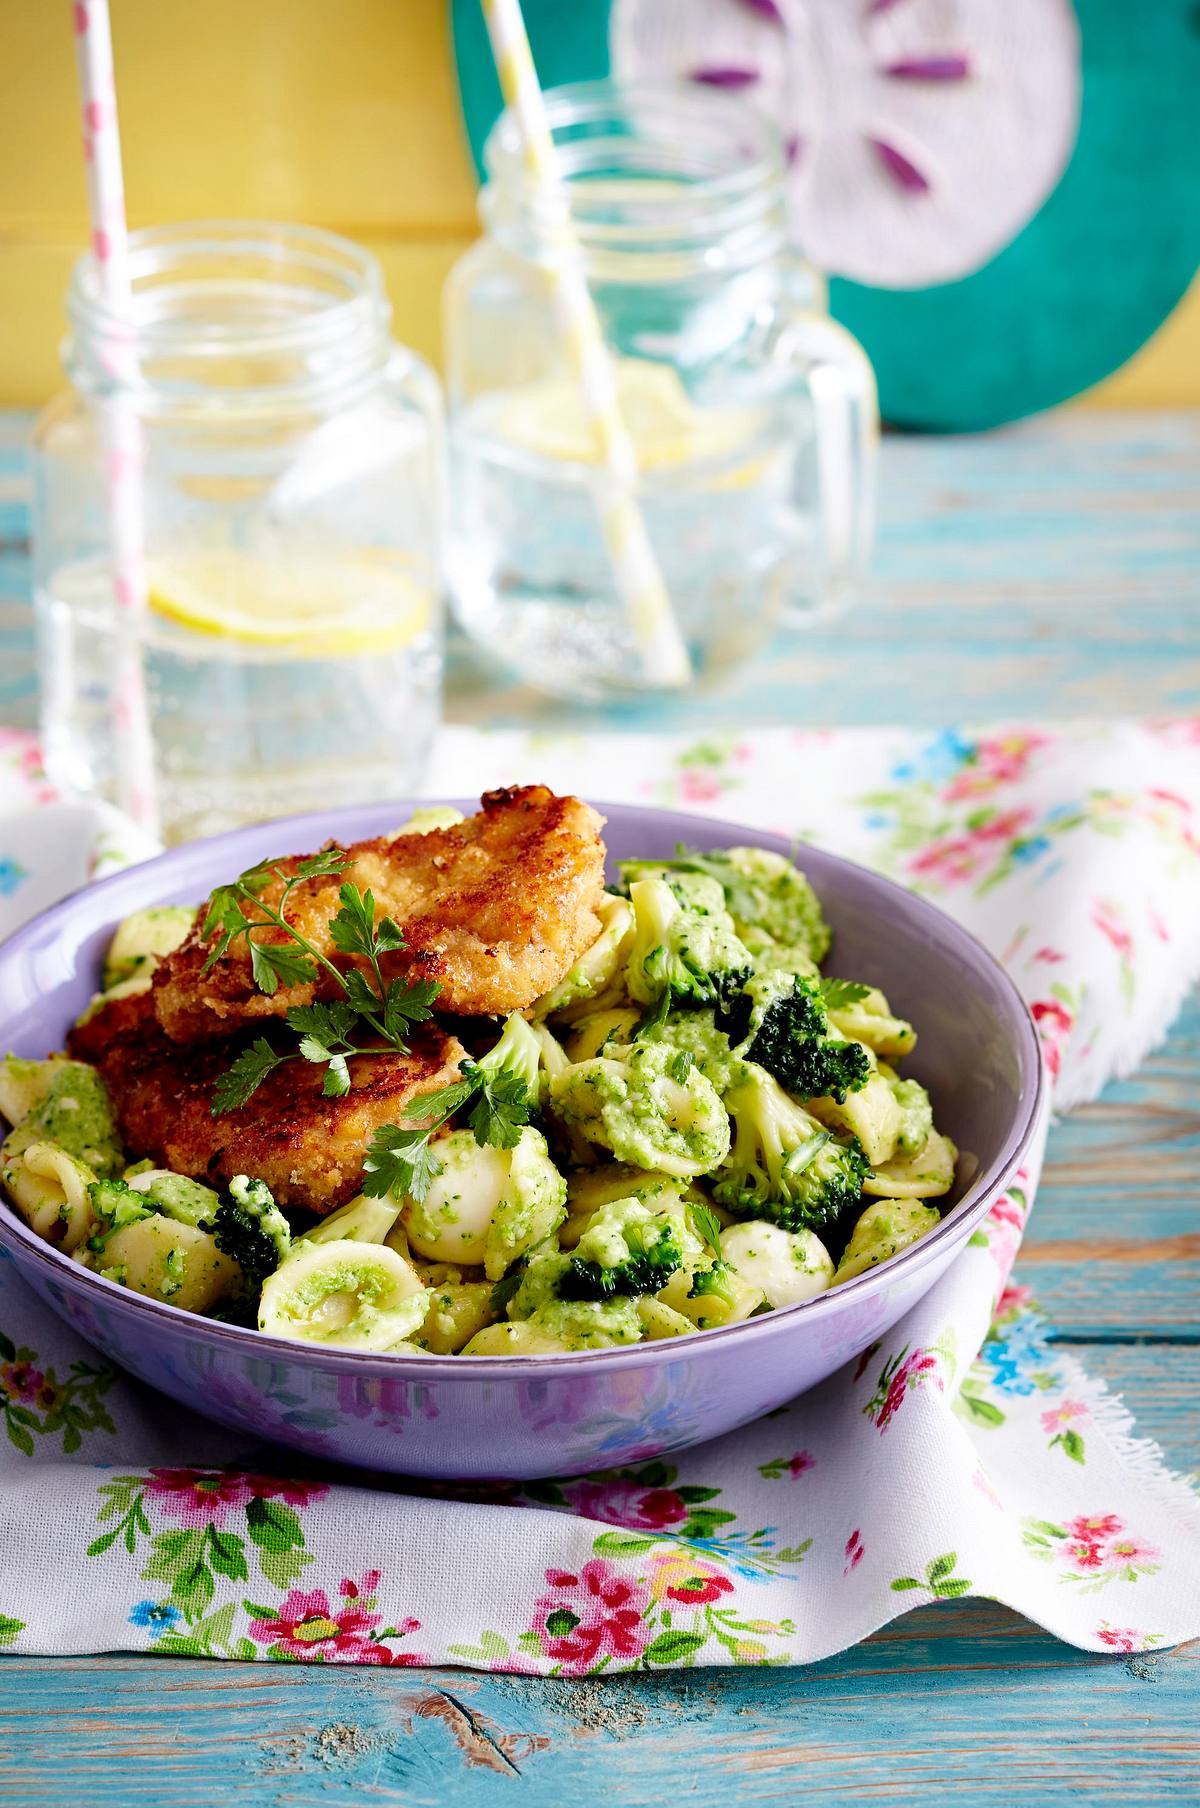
(963, 1453)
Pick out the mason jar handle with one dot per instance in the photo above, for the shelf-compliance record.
(845, 404)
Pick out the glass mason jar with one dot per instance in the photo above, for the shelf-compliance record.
(753, 414)
(289, 488)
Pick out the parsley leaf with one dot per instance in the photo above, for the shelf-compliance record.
(836, 994)
(706, 1225)
(360, 991)
(352, 930)
(502, 1111)
(271, 962)
(257, 878)
(226, 913)
(324, 1029)
(321, 865)
(399, 1162)
(388, 936)
(504, 1289)
(438, 1106)
(244, 1078)
(405, 1004)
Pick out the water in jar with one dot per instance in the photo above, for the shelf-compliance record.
(274, 684)
(724, 490)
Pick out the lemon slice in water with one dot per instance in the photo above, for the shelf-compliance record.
(313, 608)
(667, 428)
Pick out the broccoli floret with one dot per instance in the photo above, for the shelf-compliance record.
(789, 1035)
(625, 1249)
(785, 1167)
(685, 950)
(717, 1281)
(250, 1228)
(810, 1067)
(763, 891)
(115, 1205)
(830, 1185)
(742, 1016)
(916, 1116)
(515, 1055)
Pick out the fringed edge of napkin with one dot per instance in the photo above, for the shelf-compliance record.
(1143, 1459)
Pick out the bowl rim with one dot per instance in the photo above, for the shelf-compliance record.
(956, 1226)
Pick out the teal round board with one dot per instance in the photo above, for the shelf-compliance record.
(1108, 153)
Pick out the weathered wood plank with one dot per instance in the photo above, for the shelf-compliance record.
(1113, 1247)
(958, 1706)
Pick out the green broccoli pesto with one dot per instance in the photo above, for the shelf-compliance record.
(649, 1104)
(763, 892)
(916, 1116)
(581, 1324)
(75, 1113)
(696, 1034)
(187, 1201)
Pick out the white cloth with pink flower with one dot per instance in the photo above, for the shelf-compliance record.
(963, 1453)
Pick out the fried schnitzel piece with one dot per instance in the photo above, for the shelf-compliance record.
(496, 909)
(308, 1149)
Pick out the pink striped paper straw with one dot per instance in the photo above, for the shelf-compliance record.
(121, 436)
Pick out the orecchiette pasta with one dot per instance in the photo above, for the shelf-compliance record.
(363, 1295)
(925, 1175)
(871, 1114)
(167, 1260)
(50, 1188)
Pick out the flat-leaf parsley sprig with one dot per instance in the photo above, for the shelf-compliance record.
(401, 1158)
(329, 1032)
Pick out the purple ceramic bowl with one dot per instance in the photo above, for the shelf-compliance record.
(488, 1417)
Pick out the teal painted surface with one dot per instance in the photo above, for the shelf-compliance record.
(1095, 272)
(569, 44)
(1055, 569)
(961, 1706)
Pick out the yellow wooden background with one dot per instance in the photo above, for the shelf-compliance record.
(340, 113)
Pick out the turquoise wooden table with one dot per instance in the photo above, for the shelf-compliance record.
(1050, 570)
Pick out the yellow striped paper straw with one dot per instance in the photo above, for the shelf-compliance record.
(639, 580)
